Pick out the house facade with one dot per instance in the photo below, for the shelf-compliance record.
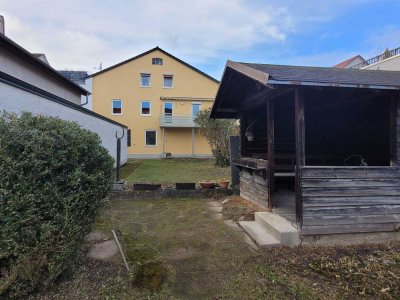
(29, 84)
(157, 96)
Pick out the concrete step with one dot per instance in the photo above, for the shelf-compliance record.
(259, 234)
(279, 227)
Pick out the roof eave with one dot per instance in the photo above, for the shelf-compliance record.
(334, 84)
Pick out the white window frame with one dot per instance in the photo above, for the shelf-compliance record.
(112, 107)
(145, 73)
(160, 59)
(141, 108)
(145, 140)
(172, 103)
(168, 75)
(196, 103)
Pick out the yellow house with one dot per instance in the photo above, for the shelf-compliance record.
(157, 96)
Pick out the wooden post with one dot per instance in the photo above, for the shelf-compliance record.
(270, 145)
(243, 126)
(393, 130)
(300, 148)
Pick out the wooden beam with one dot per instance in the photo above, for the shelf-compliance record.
(393, 130)
(260, 97)
(271, 159)
(300, 148)
(243, 126)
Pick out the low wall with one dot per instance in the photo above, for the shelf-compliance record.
(254, 187)
(169, 193)
(350, 199)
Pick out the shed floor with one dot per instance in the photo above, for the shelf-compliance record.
(285, 204)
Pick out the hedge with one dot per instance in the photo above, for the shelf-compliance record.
(54, 178)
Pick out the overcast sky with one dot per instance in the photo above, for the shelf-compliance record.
(78, 35)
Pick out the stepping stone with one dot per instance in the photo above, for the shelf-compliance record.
(232, 224)
(103, 250)
(217, 209)
(97, 236)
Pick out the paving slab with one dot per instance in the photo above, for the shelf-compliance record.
(103, 250)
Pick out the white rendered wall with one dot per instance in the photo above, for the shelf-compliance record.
(13, 99)
(18, 68)
(389, 64)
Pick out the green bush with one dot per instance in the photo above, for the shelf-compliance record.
(54, 178)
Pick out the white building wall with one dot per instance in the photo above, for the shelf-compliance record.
(19, 68)
(389, 64)
(13, 99)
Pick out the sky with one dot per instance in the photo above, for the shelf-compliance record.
(79, 35)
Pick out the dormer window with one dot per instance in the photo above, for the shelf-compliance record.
(157, 61)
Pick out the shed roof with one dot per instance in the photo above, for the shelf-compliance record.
(328, 76)
(242, 81)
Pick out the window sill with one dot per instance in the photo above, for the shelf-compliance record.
(145, 115)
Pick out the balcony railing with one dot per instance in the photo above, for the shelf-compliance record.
(385, 55)
(177, 121)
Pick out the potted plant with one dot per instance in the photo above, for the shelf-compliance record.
(223, 183)
(208, 184)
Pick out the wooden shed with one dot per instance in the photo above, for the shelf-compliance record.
(319, 146)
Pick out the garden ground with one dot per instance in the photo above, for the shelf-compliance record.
(173, 170)
(180, 251)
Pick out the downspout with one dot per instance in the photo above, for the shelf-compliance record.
(87, 100)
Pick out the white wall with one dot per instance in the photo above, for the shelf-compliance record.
(389, 64)
(13, 99)
(18, 68)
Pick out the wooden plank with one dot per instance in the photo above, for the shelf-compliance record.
(271, 159)
(352, 191)
(326, 201)
(328, 220)
(350, 172)
(352, 210)
(364, 182)
(355, 228)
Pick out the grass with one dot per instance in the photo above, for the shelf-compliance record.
(178, 251)
(170, 171)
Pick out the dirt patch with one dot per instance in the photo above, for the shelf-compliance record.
(239, 209)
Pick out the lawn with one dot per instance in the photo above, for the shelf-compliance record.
(174, 170)
(179, 251)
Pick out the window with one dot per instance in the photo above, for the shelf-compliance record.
(151, 138)
(128, 138)
(146, 108)
(195, 109)
(168, 108)
(157, 61)
(117, 107)
(168, 81)
(145, 80)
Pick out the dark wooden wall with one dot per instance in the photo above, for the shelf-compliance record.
(350, 199)
(254, 186)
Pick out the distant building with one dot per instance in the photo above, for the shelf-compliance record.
(351, 62)
(157, 96)
(28, 83)
(389, 60)
(82, 78)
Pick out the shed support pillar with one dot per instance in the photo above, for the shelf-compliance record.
(270, 145)
(300, 149)
(394, 102)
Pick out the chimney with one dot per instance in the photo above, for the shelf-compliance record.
(2, 25)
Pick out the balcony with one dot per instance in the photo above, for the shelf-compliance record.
(186, 121)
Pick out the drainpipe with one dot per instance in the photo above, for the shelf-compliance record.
(86, 102)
